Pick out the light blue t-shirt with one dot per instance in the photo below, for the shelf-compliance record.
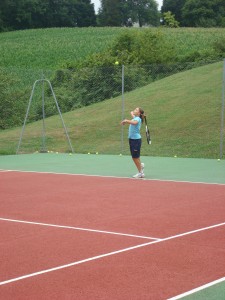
(134, 130)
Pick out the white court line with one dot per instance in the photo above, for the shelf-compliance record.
(205, 286)
(79, 228)
(73, 263)
(117, 177)
(108, 254)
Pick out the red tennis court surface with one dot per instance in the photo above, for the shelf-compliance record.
(83, 237)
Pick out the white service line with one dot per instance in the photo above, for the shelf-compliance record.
(109, 254)
(79, 228)
(205, 286)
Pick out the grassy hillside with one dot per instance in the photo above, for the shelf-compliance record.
(183, 111)
(53, 48)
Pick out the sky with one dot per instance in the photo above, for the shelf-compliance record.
(97, 4)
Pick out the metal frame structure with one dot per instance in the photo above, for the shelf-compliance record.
(43, 114)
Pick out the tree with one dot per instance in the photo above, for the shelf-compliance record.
(118, 12)
(175, 7)
(3, 5)
(86, 14)
(20, 14)
(69, 13)
(169, 20)
(145, 12)
(204, 13)
(110, 13)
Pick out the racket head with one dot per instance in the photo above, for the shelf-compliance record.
(148, 137)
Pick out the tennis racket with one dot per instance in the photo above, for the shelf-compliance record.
(147, 132)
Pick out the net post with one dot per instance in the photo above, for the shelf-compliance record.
(222, 112)
(43, 149)
(123, 106)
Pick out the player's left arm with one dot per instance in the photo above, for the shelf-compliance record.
(132, 122)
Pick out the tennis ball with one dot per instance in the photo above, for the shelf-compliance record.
(89, 153)
(175, 156)
(116, 63)
(57, 152)
(121, 154)
(97, 153)
(70, 154)
(218, 159)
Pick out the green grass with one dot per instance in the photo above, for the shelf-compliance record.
(53, 48)
(188, 40)
(183, 110)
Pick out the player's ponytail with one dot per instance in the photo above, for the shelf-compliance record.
(142, 114)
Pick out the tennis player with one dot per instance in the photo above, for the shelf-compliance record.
(135, 139)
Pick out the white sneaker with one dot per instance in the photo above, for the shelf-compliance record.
(142, 167)
(139, 175)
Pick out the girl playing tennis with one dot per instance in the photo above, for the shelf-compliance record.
(135, 139)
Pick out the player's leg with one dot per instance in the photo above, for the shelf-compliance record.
(135, 148)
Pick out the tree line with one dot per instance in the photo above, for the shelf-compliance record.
(173, 13)
(27, 14)
(196, 13)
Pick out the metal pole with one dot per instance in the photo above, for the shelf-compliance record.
(56, 102)
(222, 113)
(123, 105)
(43, 117)
(25, 120)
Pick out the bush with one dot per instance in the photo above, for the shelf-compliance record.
(143, 47)
(219, 47)
(12, 102)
